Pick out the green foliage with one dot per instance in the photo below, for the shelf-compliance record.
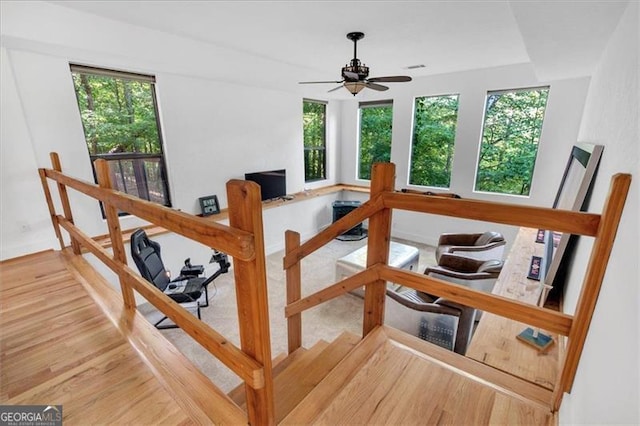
(512, 127)
(375, 138)
(434, 133)
(314, 128)
(118, 114)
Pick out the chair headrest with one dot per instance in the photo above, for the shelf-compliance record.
(489, 237)
(491, 266)
(139, 240)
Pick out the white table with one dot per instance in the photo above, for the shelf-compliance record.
(400, 256)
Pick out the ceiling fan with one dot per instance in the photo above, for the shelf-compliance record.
(355, 75)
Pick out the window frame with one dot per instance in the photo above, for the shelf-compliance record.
(482, 129)
(137, 158)
(364, 105)
(323, 149)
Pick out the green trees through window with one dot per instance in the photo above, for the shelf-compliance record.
(314, 119)
(120, 121)
(512, 127)
(434, 132)
(375, 136)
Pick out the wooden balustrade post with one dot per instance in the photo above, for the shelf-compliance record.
(64, 198)
(52, 209)
(115, 232)
(592, 282)
(382, 180)
(294, 323)
(245, 213)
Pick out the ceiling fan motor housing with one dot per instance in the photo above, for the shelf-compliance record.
(355, 68)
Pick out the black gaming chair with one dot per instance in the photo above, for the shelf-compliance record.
(187, 288)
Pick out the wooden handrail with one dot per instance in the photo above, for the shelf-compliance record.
(243, 239)
(540, 317)
(234, 242)
(530, 314)
(592, 283)
(344, 286)
(334, 230)
(240, 363)
(603, 227)
(579, 223)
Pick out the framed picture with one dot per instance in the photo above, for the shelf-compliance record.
(209, 205)
(534, 268)
(573, 194)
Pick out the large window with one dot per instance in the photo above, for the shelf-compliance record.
(512, 127)
(375, 135)
(120, 119)
(314, 119)
(434, 132)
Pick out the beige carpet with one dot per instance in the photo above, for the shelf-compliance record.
(326, 321)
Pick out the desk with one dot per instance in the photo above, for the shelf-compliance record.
(494, 342)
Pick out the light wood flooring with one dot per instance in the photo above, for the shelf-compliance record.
(58, 347)
(391, 378)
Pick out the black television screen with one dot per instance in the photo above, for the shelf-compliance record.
(273, 183)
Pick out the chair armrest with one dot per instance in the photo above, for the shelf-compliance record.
(457, 263)
(471, 276)
(458, 239)
(422, 307)
(477, 248)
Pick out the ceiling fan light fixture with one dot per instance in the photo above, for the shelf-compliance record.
(355, 86)
(355, 74)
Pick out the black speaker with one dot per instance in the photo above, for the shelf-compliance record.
(342, 208)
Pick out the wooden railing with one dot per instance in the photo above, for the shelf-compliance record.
(242, 239)
(378, 210)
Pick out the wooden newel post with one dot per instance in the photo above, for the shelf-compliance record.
(115, 232)
(245, 213)
(294, 323)
(52, 209)
(382, 180)
(64, 198)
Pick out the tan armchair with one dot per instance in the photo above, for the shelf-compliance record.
(485, 246)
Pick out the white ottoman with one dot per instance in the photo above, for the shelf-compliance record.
(400, 256)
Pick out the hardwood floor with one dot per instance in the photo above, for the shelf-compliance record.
(58, 347)
(393, 378)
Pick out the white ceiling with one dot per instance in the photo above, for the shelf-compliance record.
(561, 39)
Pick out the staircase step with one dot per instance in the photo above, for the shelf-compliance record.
(294, 383)
(297, 374)
(280, 363)
(393, 378)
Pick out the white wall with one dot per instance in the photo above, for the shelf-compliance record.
(607, 384)
(559, 133)
(25, 224)
(213, 130)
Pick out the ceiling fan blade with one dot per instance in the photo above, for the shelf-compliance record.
(318, 82)
(336, 88)
(391, 79)
(378, 87)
